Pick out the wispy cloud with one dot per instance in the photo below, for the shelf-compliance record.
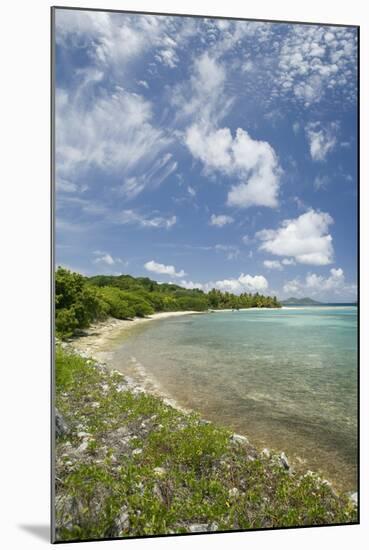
(321, 182)
(220, 220)
(167, 119)
(134, 217)
(273, 264)
(113, 133)
(322, 139)
(152, 178)
(231, 251)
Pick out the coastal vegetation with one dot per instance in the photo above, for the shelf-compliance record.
(80, 300)
(129, 464)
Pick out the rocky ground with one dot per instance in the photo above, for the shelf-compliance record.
(129, 464)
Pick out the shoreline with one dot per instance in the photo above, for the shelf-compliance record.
(97, 335)
(92, 344)
(121, 455)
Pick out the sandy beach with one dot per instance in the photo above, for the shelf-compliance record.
(98, 337)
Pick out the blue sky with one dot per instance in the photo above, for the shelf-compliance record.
(207, 152)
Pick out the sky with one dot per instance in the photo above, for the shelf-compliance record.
(209, 153)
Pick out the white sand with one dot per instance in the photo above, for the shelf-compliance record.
(99, 337)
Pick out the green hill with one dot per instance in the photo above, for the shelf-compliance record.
(80, 300)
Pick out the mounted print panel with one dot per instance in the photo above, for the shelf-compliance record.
(205, 354)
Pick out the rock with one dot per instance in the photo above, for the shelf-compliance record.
(83, 435)
(284, 461)
(329, 484)
(160, 471)
(354, 498)
(234, 492)
(83, 446)
(326, 482)
(204, 422)
(157, 491)
(140, 489)
(123, 431)
(241, 439)
(137, 451)
(202, 527)
(198, 527)
(266, 452)
(61, 427)
(168, 402)
(67, 507)
(122, 522)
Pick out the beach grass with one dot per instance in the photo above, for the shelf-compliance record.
(128, 464)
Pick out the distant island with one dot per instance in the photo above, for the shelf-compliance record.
(300, 302)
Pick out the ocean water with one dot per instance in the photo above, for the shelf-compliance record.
(285, 378)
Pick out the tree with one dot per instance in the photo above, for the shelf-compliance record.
(80, 300)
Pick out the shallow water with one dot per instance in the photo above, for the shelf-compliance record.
(286, 378)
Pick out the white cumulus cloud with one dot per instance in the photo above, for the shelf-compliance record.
(332, 286)
(237, 285)
(162, 269)
(254, 163)
(190, 285)
(306, 239)
(244, 283)
(106, 258)
(220, 220)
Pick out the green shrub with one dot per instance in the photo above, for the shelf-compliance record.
(140, 307)
(76, 303)
(80, 300)
(118, 307)
(65, 322)
(195, 303)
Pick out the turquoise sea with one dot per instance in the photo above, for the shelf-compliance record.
(286, 378)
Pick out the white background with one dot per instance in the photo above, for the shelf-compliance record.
(24, 285)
